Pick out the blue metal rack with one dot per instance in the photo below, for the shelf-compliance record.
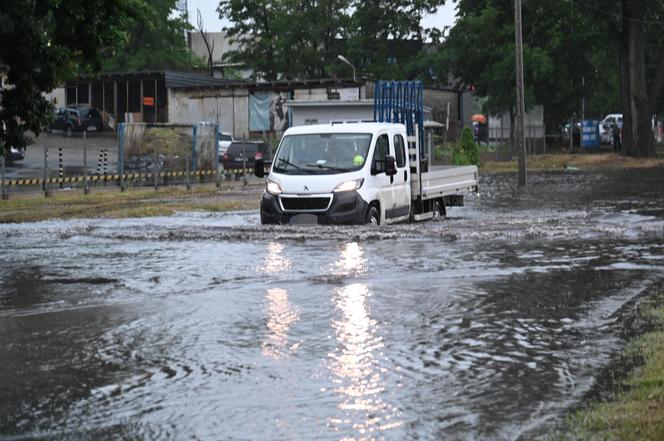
(401, 102)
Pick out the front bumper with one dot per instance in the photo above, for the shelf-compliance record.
(346, 208)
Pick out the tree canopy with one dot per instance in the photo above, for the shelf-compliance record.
(155, 41)
(301, 39)
(46, 41)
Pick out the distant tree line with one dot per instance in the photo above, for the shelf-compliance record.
(608, 52)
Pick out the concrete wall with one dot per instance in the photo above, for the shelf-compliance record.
(221, 43)
(56, 96)
(229, 107)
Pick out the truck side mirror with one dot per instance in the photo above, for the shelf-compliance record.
(390, 166)
(259, 168)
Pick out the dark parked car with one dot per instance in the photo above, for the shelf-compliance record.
(70, 119)
(15, 154)
(237, 151)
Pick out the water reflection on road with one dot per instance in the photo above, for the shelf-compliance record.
(488, 325)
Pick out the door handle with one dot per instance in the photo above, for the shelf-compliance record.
(405, 175)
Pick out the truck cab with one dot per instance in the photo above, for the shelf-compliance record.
(347, 173)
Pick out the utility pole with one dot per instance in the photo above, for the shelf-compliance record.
(520, 100)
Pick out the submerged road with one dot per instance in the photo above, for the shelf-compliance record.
(487, 325)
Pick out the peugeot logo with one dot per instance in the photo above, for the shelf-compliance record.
(306, 188)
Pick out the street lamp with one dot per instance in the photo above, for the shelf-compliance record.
(344, 60)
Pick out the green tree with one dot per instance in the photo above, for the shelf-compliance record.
(293, 39)
(45, 42)
(156, 42)
(466, 151)
(387, 39)
(286, 39)
(560, 50)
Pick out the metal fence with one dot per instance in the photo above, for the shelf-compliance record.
(138, 154)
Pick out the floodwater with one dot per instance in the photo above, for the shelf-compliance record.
(488, 325)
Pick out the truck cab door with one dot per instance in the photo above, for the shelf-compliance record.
(379, 180)
(401, 184)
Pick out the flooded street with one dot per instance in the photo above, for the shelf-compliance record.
(488, 325)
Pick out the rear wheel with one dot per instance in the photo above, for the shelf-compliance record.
(373, 216)
(438, 210)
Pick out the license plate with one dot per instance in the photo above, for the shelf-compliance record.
(239, 158)
(304, 219)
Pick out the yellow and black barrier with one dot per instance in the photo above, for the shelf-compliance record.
(126, 177)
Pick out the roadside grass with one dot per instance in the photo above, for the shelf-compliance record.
(635, 411)
(115, 204)
(565, 160)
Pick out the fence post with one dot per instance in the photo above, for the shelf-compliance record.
(121, 148)
(45, 181)
(188, 179)
(105, 167)
(86, 187)
(193, 147)
(61, 168)
(244, 167)
(2, 172)
(155, 170)
(216, 154)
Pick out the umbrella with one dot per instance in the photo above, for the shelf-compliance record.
(478, 118)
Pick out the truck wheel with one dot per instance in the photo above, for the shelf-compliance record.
(373, 216)
(438, 210)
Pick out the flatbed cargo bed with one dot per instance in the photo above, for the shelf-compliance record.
(444, 180)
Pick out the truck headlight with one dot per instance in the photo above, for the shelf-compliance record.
(273, 188)
(355, 184)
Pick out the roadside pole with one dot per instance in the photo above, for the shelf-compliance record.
(155, 171)
(188, 173)
(121, 148)
(571, 134)
(520, 101)
(244, 167)
(216, 154)
(45, 181)
(61, 168)
(86, 187)
(2, 171)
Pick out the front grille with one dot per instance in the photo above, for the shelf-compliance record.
(294, 204)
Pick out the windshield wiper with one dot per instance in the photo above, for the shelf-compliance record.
(327, 167)
(287, 162)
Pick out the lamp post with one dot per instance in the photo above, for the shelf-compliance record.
(4, 69)
(345, 60)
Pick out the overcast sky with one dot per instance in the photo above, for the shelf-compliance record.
(444, 17)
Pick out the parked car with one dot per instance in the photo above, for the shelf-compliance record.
(239, 150)
(225, 140)
(70, 119)
(613, 118)
(577, 134)
(15, 154)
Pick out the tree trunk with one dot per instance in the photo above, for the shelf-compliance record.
(638, 140)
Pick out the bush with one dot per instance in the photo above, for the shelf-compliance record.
(466, 151)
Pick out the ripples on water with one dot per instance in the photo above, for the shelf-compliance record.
(487, 325)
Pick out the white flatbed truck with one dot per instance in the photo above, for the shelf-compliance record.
(362, 172)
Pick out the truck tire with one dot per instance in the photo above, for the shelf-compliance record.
(373, 216)
(438, 210)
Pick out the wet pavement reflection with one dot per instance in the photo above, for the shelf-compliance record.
(487, 325)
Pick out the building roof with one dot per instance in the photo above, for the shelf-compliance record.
(173, 79)
(330, 103)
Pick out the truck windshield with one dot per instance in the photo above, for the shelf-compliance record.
(322, 153)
